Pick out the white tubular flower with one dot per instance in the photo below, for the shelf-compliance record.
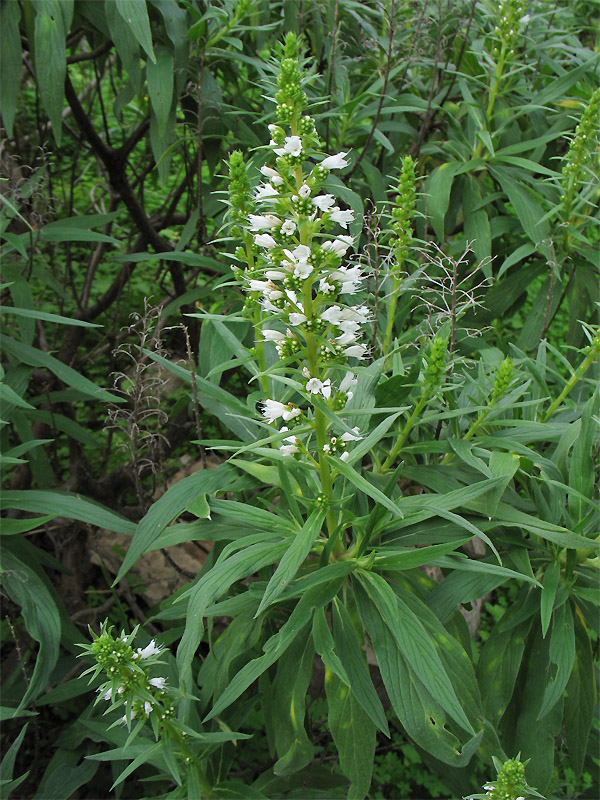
(107, 695)
(302, 269)
(258, 286)
(147, 708)
(337, 161)
(275, 274)
(271, 173)
(259, 222)
(288, 228)
(304, 191)
(342, 217)
(265, 191)
(273, 410)
(265, 240)
(272, 336)
(301, 252)
(288, 449)
(292, 146)
(323, 202)
(333, 314)
(296, 319)
(345, 338)
(150, 650)
(158, 682)
(356, 351)
(345, 456)
(352, 436)
(326, 389)
(340, 245)
(348, 381)
(325, 287)
(314, 386)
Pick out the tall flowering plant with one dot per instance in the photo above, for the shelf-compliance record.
(298, 283)
(337, 495)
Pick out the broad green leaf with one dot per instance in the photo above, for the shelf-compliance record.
(353, 734)
(477, 224)
(7, 765)
(548, 594)
(290, 688)
(41, 615)
(128, 50)
(541, 746)
(415, 645)
(502, 465)
(581, 698)
(366, 445)
(245, 514)
(50, 58)
(352, 657)
(10, 527)
(324, 646)
(8, 397)
(392, 558)
(135, 15)
(292, 559)
(10, 63)
(276, 645)
(199, 506)
(213, 585)
(38, 358)
(421, 716)
(438, 187)
(173, 502)
(63, 504)
(30, 312)
(63, 776)
(562, 654)
(498, 667)
(528, 210)
(364, 486)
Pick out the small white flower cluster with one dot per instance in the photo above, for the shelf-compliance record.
(296, 274)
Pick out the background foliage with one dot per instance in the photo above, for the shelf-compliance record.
(118, 118)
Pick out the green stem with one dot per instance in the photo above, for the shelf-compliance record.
(469, 434)
(577, 375)
(495, 84)
(405, 433)
(389, 328)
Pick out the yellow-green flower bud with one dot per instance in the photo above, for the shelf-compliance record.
(503, 378)
(436, 363)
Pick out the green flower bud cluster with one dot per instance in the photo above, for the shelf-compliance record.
(504, 376)
(510, 783)
(579, 150)
(510, 18)
(239, 187)
(129, 683)
(436, 363)
(403, 211)
(291, 99)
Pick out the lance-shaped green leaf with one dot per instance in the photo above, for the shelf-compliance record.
(135, 16)
(352, 657)
(353, 734)
(38, 358)
(173, 502)
(562, 654)
(581, 694)
(414, 642)
(63, 504)
(213, 585)
(293, 558)
(364, 486)
(50, 58)
(421, 716)
(10, 63)
(276, 645)
(41, 615)
(548, 594)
